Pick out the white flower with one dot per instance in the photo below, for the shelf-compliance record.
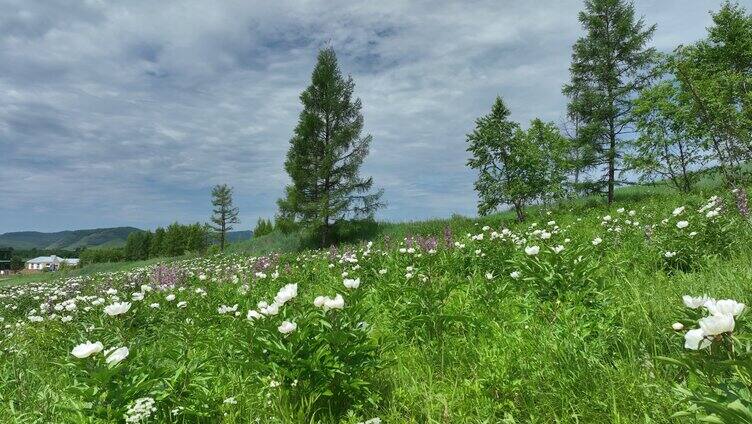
(371, 421)
(514, 274)
(489, 276)
(352, 284)
(182, 304)
(286, 293)
(712, 214)
(678, 211)
(607, 218)
(117, 355)
(272, 309)
(596, 241)
(382, 271)
(253, 315)
(117, 308)
(717, 324)
(154, 305)
(287, 327)
(682, 224)
(557, 249)
(669, 254)
(532, 250)
(137, 296)
(337, 303)
(170, 297)
(725, 307)
(695, 302)
(695, 339)
(230, 401)
(319, 301)
(84, 350)
(545, 235)
(677, 326)
(620, 210)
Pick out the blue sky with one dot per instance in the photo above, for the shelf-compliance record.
(126, 113)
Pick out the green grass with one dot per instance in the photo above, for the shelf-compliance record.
(450, 336)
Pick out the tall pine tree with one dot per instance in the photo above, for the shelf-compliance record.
(225, 214)
(326, 152)
(610, 64)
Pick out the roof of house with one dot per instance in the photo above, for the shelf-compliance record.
(52, 260)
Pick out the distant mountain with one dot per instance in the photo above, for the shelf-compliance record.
(71, 240)
(68, 240)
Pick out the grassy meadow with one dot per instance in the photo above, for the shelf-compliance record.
(566, 318)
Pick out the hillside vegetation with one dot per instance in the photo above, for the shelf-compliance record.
(565, 318)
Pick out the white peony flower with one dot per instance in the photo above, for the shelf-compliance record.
(695, 302)
(352, 284)
(287, 327)
(117, 308)
(286, 293)
(677, 326)
(725, 307)
(717, 324)
(682, 224)
(253, 315)
(117, 355)
(84, 350)
(695, 339)
(532, 250)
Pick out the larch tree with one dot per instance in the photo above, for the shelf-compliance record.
(224, 213)
(610, 64)
(326, 153)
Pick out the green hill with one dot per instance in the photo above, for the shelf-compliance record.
(68, 240)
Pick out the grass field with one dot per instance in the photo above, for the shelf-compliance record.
(566, 318)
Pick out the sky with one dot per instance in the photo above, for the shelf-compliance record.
(127, 113)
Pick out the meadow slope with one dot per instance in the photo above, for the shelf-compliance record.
(565, 318)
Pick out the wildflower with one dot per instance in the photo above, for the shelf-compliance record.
(717, 324)
(557, 249)
(224, 309)
(596, 241)
(253, 315)
(620, 210)
(607, 218)
(669, 254)
(712, 214)
(286, 293)
(182, 304)
(117, 308)
(489, 276)
(695, 339)
(140, 411)
(382, 271)
(137, 296)
(695, 302)
(287, 327)
(532, 250)
(682, 224)
(84, 350)
(230, 401)
(272, 309)
(170, 297)
(115, 356)
(725, 307)
(154, 305)
(514, 274)
(678, 211)
(352, 284)
(677, 326)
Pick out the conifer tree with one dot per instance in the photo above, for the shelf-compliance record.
(325, 155)
(610, 64)
(225, 214)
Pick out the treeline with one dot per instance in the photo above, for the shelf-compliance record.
(175, 240)
(690, 109)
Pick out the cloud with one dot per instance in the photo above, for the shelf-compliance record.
(126, 113)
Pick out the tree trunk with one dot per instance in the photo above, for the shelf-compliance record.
(611, 163)
(520, 212)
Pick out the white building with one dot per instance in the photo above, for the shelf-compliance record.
(49, 263)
